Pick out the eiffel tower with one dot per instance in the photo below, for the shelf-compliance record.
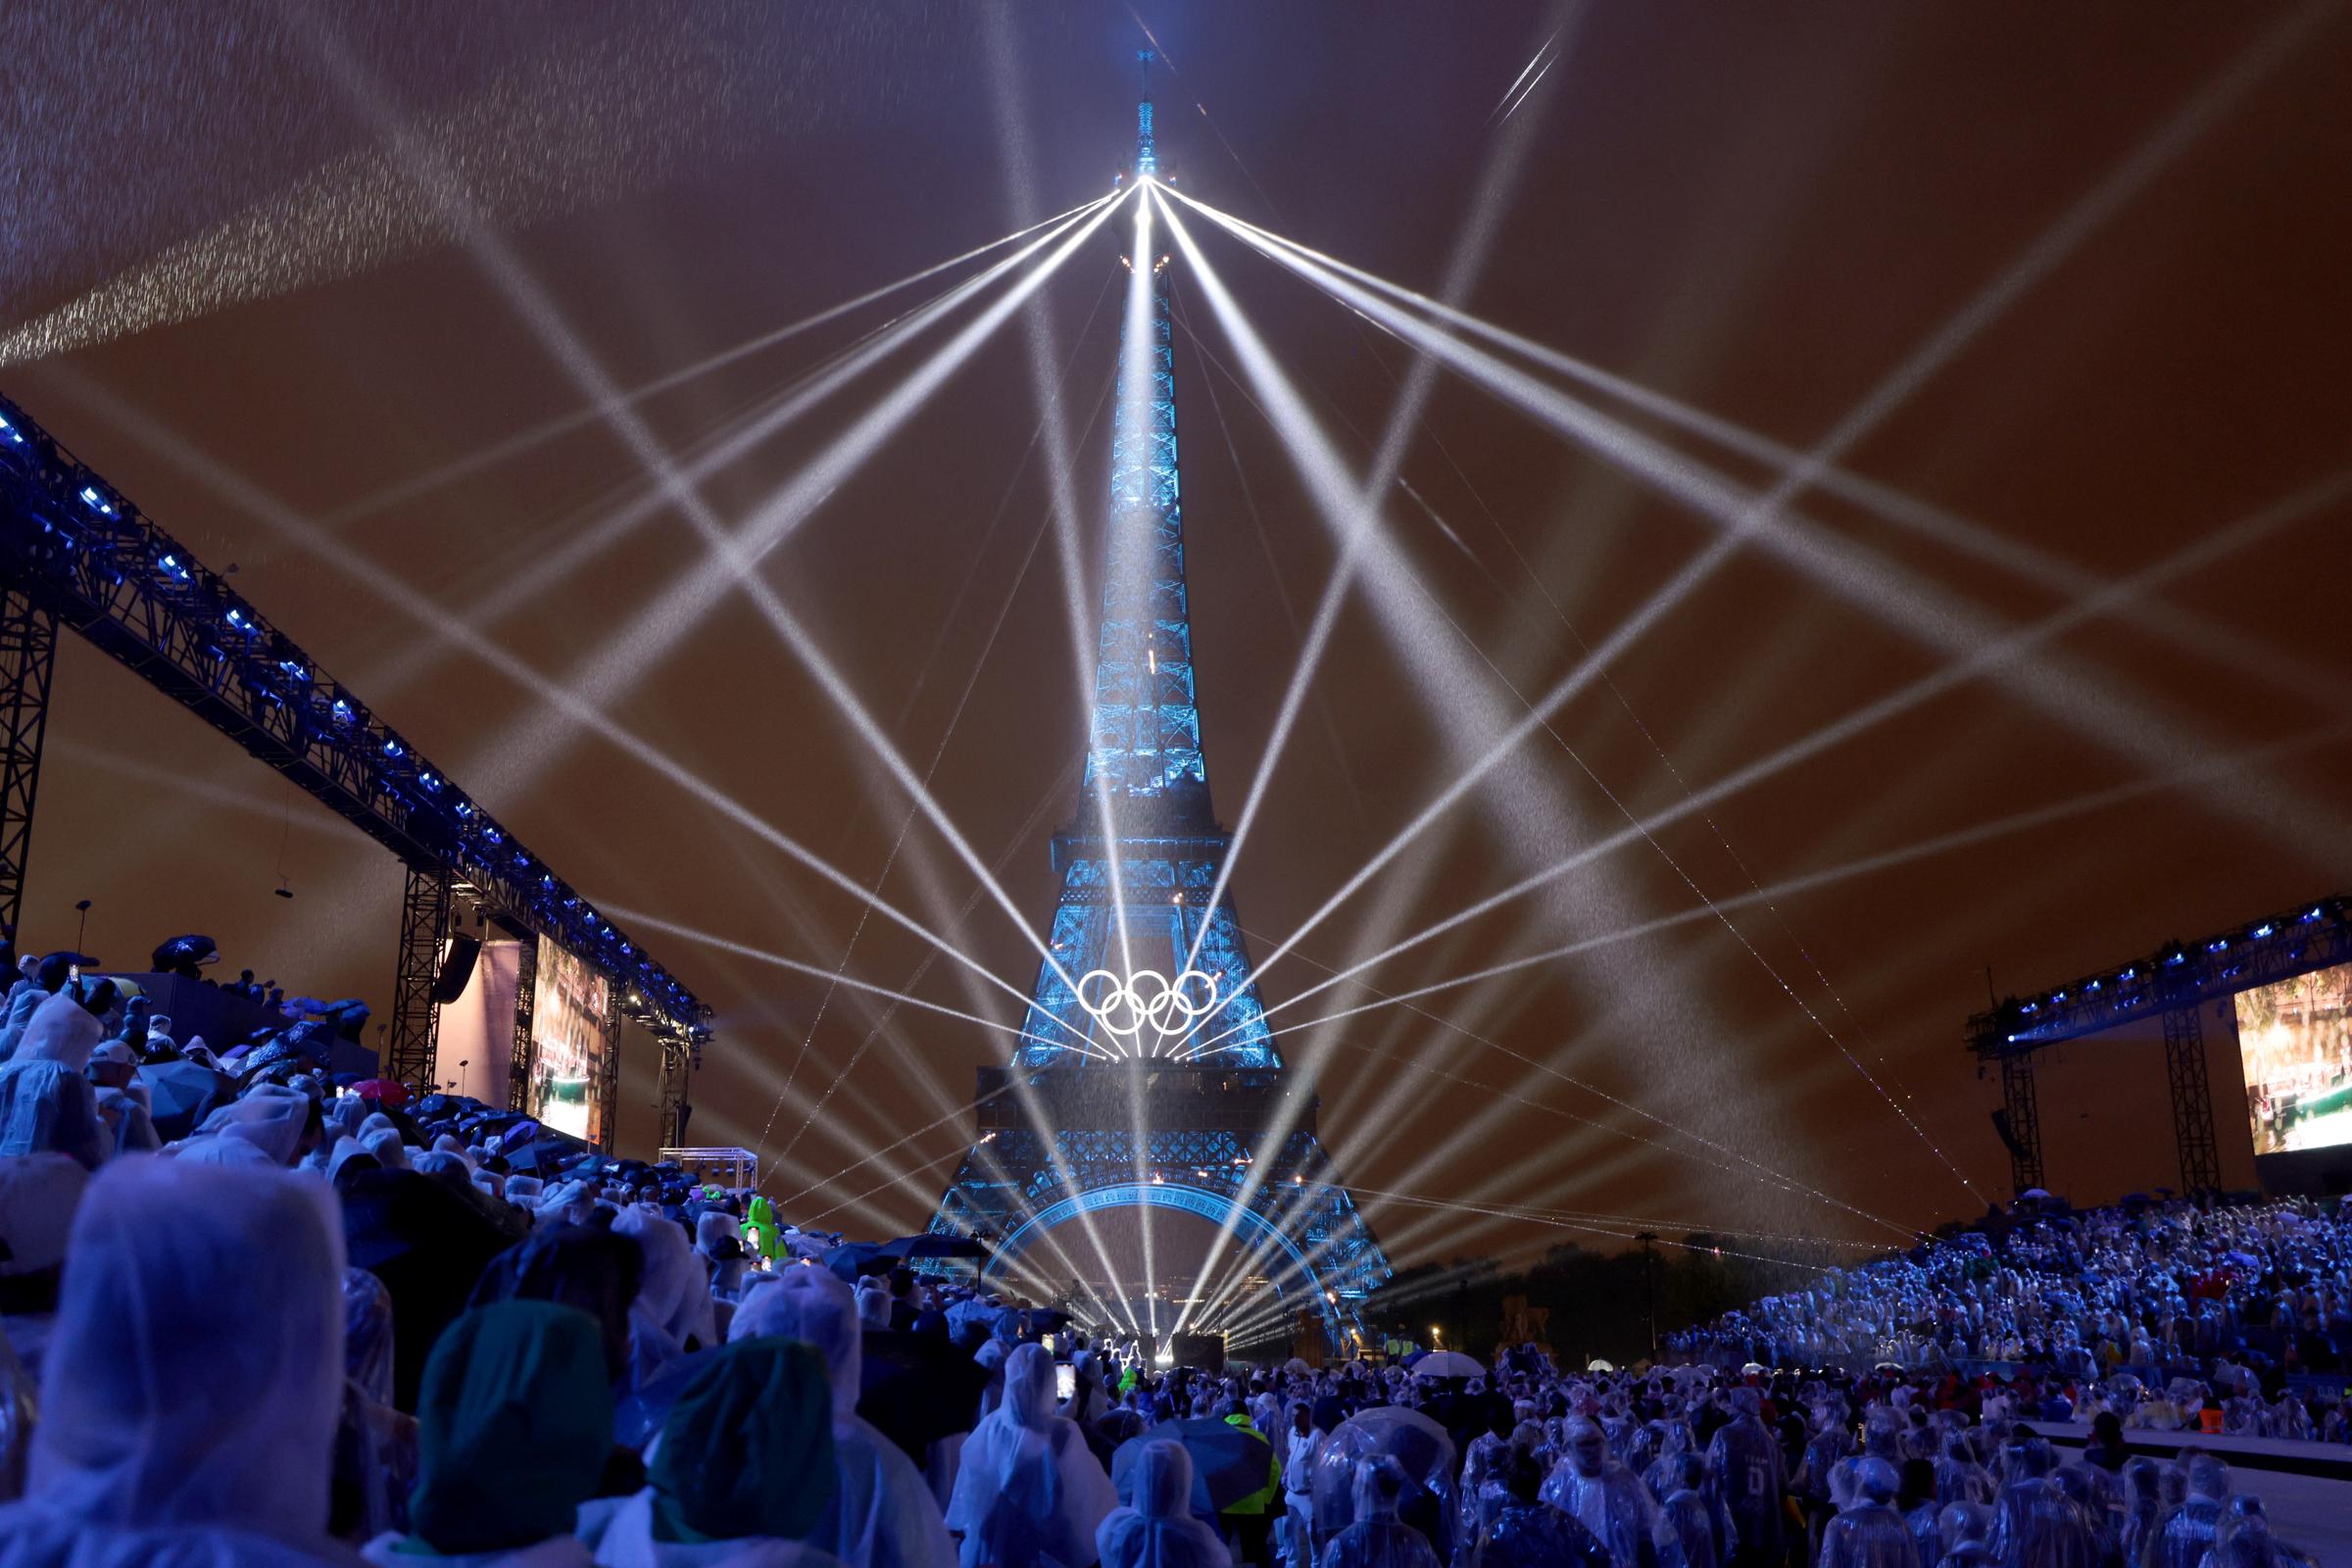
(1147, 1076)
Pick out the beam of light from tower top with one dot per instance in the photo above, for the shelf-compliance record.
(444, 474)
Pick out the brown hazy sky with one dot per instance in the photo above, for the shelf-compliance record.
(256, 322)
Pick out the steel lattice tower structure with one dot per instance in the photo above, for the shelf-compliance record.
(1148, 1076)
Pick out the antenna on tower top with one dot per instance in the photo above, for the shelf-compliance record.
(1146, 156)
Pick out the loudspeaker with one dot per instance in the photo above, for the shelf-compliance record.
(456, 969)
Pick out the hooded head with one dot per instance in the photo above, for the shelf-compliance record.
(2208, 1477)
(567, 1203)
(385, 1145)
(187, 1280)
(1587, 1446)
(1876, 1481)
(674, 1294)
(514, 1428)
(815, 1306)
(270, 1116)
(63, 1031)
(748, 1449)
(1029, 1387)
(873, 1306)
(1379, 1488)
(592, 1270)
(713, 1227)
(1163, 1483)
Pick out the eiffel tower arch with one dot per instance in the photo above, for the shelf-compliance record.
(1147, 1077)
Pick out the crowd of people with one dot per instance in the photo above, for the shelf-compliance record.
(309, 1322)
(2169, 1316)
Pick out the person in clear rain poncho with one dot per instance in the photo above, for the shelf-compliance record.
(671, 1317)
(1695, 1531)
(743, 1470)
(1028, 1491)
(1527, 1532)
(1866, 1532)
(516, 1420)
(1157, 1530)
(1378, 1538)
(1745, 1461)
(2187, 1533)
(1603, 1497)
(2143, 1506)
(46, 1103)
(881, 1514)
(191, 1388)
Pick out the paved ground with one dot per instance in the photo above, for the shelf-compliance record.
(2307, 1511)
(2310, 1511)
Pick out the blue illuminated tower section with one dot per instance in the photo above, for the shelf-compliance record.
(1139, 863)
(1147, 1074)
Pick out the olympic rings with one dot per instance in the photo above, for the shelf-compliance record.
(1147, 999)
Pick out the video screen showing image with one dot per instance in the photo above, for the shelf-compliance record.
(569, 1014)
(2294, 1040)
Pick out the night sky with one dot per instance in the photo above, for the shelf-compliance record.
(262, 265)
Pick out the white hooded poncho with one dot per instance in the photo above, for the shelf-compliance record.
(45, 1102)
(881, 1515)
(1029, 1492)
(192, 1386)
(1157, 1530)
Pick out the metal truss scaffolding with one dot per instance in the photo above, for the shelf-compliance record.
(409, 1054)
(27, 660)
(524, 1060)
(2172, 985)
(74, 550)
(2192, 1099)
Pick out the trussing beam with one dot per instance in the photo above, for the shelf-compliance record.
(2024, 1113)
(409, 1054)
(2192, 1099)
(523, 1060)
(73, 546)
(27, 660)
(2280, 946)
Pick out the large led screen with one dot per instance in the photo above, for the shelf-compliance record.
(2294, 1040)
(569, 1016)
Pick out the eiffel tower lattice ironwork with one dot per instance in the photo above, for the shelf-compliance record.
(1146, 1075)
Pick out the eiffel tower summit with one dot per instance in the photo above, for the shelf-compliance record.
(1147, 1076)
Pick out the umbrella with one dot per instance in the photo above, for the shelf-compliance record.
(934, 1244)
(972, 1310)
(857, 1258)
(2034, 1192)
(390, 1091)
(1413, 1439)
(1228, 1463)
(183, 1093)
(918, 1387)
(1298, 1365)
(190, 949)
(1446, 1364)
